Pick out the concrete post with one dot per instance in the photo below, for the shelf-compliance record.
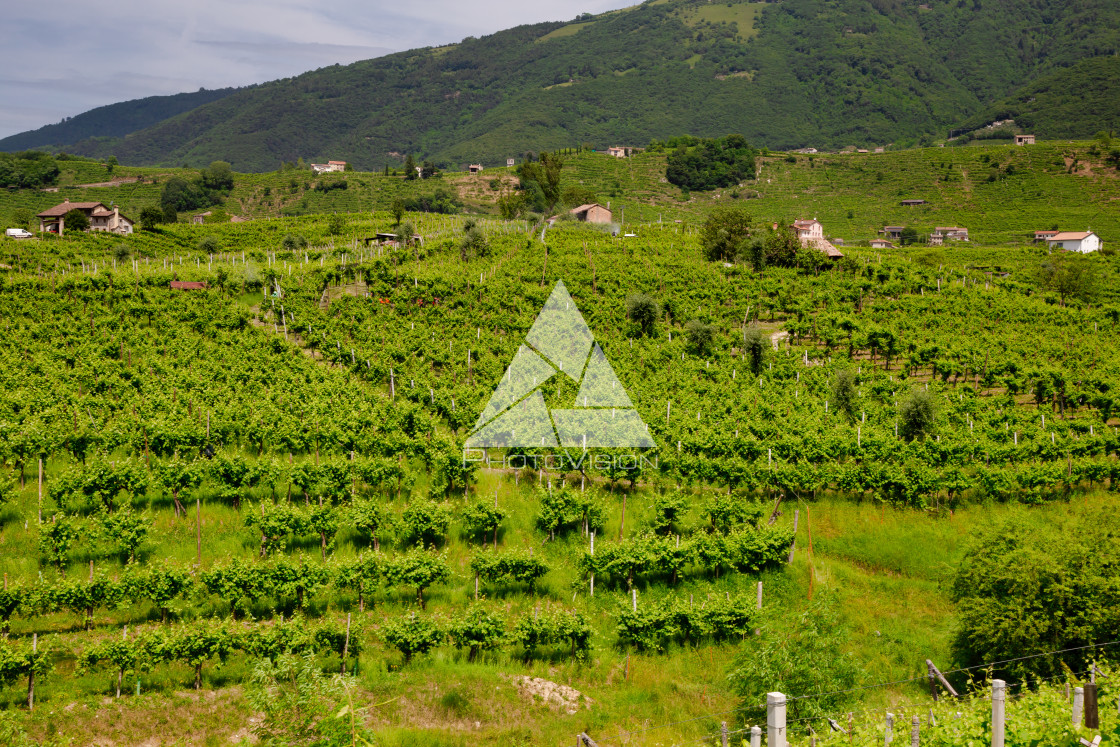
(756, 736)
(775, 720)
(999, 688)
(1078, 705)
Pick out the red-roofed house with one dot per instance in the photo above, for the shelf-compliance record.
(1075, 241)
(1040, 236)
(100, 217)
(941, 234)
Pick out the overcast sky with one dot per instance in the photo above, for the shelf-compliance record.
(66, 57)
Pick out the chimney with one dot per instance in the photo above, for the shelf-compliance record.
(66, 201)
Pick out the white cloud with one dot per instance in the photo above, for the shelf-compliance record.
(133, 48)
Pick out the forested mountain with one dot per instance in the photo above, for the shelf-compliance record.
(112, 121)
(1069, 103)
(825, 73)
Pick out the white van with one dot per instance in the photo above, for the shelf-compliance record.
(18, 233)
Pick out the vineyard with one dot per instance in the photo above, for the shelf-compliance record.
(207, 493)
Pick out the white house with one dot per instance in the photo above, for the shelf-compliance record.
(808, 230)
(811, 234)
(1075, 241)
(329, 166)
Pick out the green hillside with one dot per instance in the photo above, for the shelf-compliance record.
(110, 122)
(823, 73)
(1060, 105)
(1000, 192)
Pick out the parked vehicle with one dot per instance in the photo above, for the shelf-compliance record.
(18, 233)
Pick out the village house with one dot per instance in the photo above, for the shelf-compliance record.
(592, 213)
(510, 163)
(390, 240)
(941, 234)
(912, 203)
(100, 217)
(1040, 236)
(881, 244)
(811, 234)
(891, 232)
(1075, 241)
(324, 168)
(475, 168)
(1024, 139)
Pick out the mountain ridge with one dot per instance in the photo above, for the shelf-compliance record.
(822, 73)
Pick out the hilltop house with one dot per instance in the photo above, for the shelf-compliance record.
(891, 232)
(474, 168)
(510, 163)
(811, 234)
(1040, 236)
(941, 234)
(592, 213)
(1024, 139)
(323, 168)
(100, 217)
(881, 244)
(1075, 241)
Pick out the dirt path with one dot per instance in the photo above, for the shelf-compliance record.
(114, 183)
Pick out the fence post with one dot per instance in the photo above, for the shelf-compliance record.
(1078, 703)
(915, 731)
(756, 736)
(775, 720)
(998, 695)
(1092, 716)
(723, 734)
(888, 730)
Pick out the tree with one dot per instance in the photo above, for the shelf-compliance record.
(76, 220)
(917, 415)
(710, 163)
(908, 236)
(474, 243)
(700, 337)
(293, 242)
(335, 224)
(110, 164)
(410, 167)
(207, 245)
(844, 392)
(782, 246)
(1070, 275)
(644, 311)
(542, 175)
(1029, 586)
(724, 231)
(805, 657)
(755, 342)
(396, 209)
(218, 176)
(754, 251)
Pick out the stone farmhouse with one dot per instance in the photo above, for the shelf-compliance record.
(101, 218)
